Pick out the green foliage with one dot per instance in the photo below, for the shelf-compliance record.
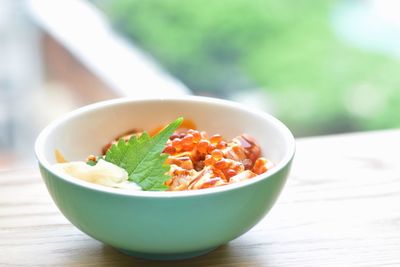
(142, 158)
(286, 47)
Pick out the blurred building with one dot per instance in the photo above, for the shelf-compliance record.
(56, 56)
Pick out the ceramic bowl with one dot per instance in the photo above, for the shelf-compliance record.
(163, 225)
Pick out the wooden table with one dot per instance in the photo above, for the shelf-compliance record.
(341, 207)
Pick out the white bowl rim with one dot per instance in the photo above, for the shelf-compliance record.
(40, 141)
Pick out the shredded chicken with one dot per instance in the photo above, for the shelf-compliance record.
(198, 161)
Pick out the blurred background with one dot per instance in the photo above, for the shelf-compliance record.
(322, 67)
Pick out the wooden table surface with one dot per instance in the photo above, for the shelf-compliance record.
(340, 207)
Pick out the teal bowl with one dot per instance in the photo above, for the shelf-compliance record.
(163, 225)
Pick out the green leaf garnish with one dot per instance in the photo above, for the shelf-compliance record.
(143, 159)
(91, 162)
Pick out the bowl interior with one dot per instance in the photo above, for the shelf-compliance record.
(88, 129)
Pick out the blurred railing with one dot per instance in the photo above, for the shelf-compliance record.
(58, 55)
(85, 33)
